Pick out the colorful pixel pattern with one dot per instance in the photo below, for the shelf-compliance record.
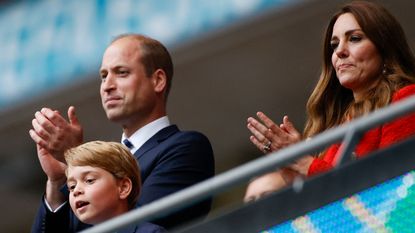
(388, 207)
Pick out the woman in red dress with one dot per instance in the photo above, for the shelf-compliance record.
(367, 65)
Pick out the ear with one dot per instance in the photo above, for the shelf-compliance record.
(124, 187)
(159, 81)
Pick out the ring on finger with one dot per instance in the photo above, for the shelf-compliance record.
(267, 146)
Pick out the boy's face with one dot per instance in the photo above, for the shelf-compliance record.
(95, 194)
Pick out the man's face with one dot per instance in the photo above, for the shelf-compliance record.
(127, 94)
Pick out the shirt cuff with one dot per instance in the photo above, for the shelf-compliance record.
(50, 208)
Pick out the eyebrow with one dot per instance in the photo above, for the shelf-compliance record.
(118, 67)
(70, 179)
(83, 174)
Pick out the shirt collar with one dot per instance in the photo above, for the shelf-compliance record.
(140, 136)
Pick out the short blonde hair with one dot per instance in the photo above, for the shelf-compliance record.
(112, 157)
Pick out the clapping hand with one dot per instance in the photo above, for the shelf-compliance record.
(268, 136)
(54, 133)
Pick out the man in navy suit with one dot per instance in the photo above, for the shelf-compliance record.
(136, 74)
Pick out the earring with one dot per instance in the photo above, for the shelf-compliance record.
(384, 70)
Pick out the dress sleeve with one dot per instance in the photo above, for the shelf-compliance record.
(325, 163)
(318, 166)
(400, 128)
(392, 132)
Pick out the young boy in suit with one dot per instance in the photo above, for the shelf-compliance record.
(103, 179)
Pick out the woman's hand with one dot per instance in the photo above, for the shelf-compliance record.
(268, 136)
(302, 165)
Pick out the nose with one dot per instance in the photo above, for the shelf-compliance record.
(341, 50)
(108, 83)
(78, 190)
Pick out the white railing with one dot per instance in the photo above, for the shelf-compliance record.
(349, 133)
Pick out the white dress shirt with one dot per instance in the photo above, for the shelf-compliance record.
(146, 132)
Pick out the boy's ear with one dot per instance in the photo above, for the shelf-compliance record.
(124, 187)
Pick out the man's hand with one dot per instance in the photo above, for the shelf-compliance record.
(53, 168)
(54, 133)
(55, 171)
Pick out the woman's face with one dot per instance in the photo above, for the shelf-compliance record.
(355, 58)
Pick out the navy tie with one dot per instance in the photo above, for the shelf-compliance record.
(128, 144)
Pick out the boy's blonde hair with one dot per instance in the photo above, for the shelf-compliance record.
(112, 157)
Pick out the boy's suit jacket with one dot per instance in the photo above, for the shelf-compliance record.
(169, 161)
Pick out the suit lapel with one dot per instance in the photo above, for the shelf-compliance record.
(156, 140)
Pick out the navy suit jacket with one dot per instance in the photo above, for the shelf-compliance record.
(169, 161)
